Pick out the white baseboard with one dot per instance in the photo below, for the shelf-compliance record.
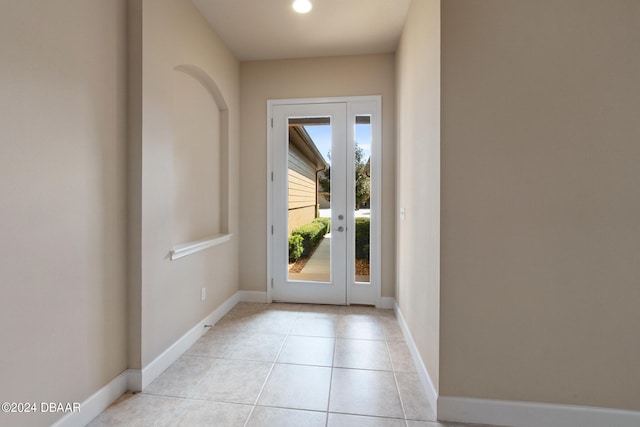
(425, 379)
(136, 379)
(96, 403)
(140, 380)
(253, 296)
(387, 303)
(510, 413)
(530, 414)
(458, 409)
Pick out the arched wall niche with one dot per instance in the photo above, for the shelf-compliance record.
(200, 117)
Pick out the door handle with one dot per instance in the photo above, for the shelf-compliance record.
(341, 228)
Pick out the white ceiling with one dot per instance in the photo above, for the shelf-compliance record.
(270, 29)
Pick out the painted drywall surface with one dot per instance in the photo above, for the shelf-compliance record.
(196, 160)
(134, 182)
(307, 78)
(63, 307)
(540, 201)
(418, 178)
(173, 34)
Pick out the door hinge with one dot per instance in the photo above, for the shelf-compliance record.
(272, 229)
(272, 122)
(271, 176)
(272, 283)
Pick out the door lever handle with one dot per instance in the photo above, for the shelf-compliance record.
(341, 228)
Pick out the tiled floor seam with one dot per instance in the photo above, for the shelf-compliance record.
(395, 379)
(195, 387)
(380, 318)
(264, 384)
(253, 407)
(333, 362)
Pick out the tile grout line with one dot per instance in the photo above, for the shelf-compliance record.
(273, 365)
(289, 333)
(333, 362)
(214, 361)
(395, 379)
(189, 397)
(266, 378)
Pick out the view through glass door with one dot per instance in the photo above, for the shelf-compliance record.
(322, 236)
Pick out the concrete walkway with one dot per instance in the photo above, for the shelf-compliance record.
(321, 259)
(318, 268)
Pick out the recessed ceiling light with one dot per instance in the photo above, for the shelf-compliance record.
(302, 6)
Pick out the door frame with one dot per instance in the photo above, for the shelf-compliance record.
(355, 105)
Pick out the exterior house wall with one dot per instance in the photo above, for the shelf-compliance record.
(302, 189)
(300, 216)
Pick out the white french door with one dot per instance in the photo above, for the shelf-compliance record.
(324, 233)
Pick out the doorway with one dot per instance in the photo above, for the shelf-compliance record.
(324, 193)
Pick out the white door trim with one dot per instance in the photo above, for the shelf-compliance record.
(354, 294)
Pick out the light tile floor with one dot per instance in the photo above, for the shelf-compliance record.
(286, 365)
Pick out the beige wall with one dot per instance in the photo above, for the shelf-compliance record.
(63, 330)
(173, 34)
(540, 202)
(418, 178)
(306, 78)
(196, 129)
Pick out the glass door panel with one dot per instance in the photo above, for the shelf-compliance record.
(309, 198)
(362, 198)
(325, 200)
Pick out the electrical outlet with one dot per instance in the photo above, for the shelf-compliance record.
(203, 294)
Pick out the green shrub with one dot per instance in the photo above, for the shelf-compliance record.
(326, 222)
(311, 234)
(295, 247)
(303, 240)
(362, 238)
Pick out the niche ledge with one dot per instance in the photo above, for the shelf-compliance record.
(189, 248)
